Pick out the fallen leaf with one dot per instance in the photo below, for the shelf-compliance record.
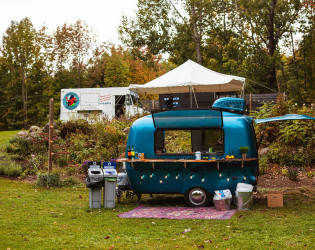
(225, 238)
(201, 246)
(177, 246)
(117, 237)
(80, 197)
(106, 238)
(240, 216)
(111, 247)
(208, 241)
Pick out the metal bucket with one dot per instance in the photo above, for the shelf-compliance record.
(244, 200)
(222, 205)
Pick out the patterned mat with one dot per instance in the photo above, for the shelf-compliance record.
(178, 213)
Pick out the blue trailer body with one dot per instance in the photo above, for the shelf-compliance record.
(173, 177)
(170, 177)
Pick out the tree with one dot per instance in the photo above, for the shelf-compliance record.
(21, 51)
(268, 22)
(116, 67)
(161, 27)
(73, 46)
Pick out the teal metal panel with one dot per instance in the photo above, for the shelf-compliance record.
(181, 119)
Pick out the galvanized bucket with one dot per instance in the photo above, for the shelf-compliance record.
(244, 200)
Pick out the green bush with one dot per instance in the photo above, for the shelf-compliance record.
(2, 167)
(77, 142)
(11, 170)
(290, 143)
(292, 173)
(70, 181)
(28, 144)
(49, 179)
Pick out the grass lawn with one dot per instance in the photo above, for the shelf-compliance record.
(40, 218)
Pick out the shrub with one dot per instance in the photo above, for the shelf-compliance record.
(292, 173)
(26, 145)
(290, 143)
(70, 181)
(75, 126)
(49, 179)
(310, 174)
(11, 170)
(2, 167)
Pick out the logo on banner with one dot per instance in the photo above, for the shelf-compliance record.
(105, 99)
(71, 100)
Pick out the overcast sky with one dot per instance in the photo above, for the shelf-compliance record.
(102, 15)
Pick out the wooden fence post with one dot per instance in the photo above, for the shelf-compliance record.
(250, 102)
(51, 133)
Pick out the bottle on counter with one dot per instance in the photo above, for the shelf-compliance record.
(129, 153)
(132, 153)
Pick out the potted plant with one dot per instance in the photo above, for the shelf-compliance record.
(244, 150)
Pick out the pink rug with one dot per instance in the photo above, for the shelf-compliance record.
(179, 213)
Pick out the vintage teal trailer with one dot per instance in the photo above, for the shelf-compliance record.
(170, 139)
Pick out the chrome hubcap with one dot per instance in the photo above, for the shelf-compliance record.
(197, 196)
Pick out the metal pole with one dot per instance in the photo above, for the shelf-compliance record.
(51, 133)
(250, 102)
(190, 97)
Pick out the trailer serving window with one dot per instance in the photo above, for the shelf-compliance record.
(188, 141)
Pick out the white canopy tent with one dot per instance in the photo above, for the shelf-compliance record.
(190, 77)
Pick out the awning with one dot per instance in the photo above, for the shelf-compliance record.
(285, 118)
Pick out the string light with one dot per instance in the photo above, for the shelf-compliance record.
(203, 179)
(161, 181)
(176, 177)
(220, 175)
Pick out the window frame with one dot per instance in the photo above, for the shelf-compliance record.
(186, 154)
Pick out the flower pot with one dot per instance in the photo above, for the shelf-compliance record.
(244, 156)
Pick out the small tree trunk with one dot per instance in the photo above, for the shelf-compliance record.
(196, 36)
(51, 133)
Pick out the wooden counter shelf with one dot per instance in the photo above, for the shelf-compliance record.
(185, 161)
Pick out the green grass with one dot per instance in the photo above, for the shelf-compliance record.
(60, 218)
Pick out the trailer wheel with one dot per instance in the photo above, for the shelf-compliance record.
(197, 197)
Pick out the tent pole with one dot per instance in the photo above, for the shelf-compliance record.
(190, 97)
(195, 96)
